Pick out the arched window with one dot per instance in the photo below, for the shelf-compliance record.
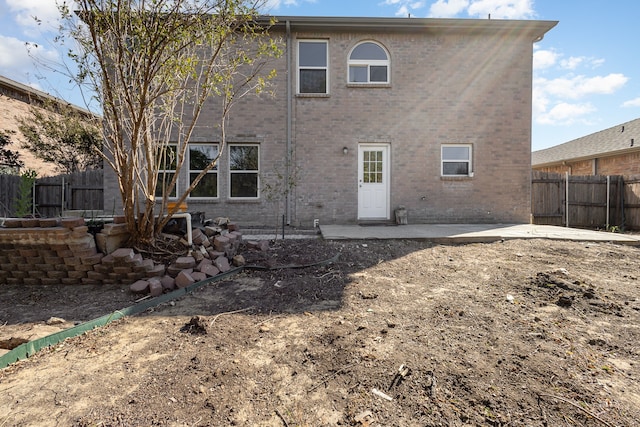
(368, 63)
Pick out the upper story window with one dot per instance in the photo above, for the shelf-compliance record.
(313, 66)
(368, 63)
(456, 160)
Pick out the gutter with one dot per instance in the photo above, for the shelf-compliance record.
(288, 154)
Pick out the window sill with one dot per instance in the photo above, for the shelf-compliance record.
(238, 200)
(456, 178)
(312, 95)
(370, 85)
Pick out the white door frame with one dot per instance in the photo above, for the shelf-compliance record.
(374, 200)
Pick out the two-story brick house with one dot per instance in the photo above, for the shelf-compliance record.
(375, 113)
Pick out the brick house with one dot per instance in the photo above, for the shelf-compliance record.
(430, 114)
(15, 101)
(612, 151)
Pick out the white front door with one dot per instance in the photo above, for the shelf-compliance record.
(373, 181)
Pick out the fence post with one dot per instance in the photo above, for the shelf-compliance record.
(33, 199)
(566, 199)
(62, 190)
(608, 195)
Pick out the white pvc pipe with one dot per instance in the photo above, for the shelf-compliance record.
(186, 215)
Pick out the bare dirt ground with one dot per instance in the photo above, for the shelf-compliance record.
(393, 333)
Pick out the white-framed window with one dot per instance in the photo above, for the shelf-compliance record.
(369, 63)
(166, 172)
(244, 171)
(200, 156)
(313, 66)
(456, 160)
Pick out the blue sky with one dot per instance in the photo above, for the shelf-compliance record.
(586, 69)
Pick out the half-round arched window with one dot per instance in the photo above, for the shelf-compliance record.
(368, 63)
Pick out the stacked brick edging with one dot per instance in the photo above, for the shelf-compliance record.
(47, 252)
(62, 251)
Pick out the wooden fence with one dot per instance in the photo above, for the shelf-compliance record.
(583, 201)
(632, 202)
(592, 202)
(54, 195)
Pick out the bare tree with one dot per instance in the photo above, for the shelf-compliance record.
(154, 65)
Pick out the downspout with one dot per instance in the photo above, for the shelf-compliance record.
(288, 155)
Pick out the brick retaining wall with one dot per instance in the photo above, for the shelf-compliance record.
(62, 251)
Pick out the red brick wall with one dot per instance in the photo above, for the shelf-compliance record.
(624, 164)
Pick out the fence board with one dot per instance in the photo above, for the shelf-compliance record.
(9, 185)
(587, 200)
(80, 191)
(632, 202)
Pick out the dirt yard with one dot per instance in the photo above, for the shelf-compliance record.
(393, 333)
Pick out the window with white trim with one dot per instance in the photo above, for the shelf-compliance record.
(368, 63)
(456, 160)
(313, 66)
(166, 172)
(244, 169)
(200, 156)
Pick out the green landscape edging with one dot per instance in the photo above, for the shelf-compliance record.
(30, 348)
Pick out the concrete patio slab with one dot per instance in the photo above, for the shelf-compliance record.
(471, 233)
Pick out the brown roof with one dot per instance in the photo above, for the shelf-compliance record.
(619, 139)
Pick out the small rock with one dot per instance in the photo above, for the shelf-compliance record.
(139, 287)
(196, 326)
(184, 279)
(155, 287)
(168, 282)
(238, 261)
(565, 301)
(55, 321)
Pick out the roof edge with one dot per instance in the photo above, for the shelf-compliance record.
(536, 27)
(40, 95)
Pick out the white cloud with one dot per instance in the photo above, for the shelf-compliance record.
(26, 12)
(502, 9)
(447, 8)
(632, 102)
(575, 87)
(544, 58)
(16, 59)
(564, 113)
(554, 99)
(405, 7)
(270, 5)
(498, 9)
(574, 62)
(403, 11)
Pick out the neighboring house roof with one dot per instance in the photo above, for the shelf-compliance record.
(619, 139)
(29, 95)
